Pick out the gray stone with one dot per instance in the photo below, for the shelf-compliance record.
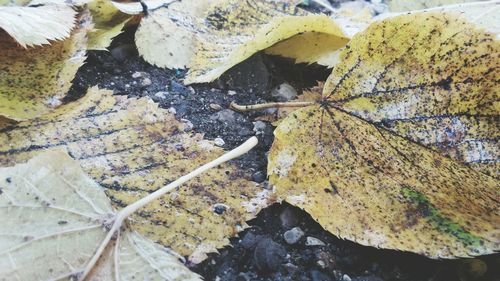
(293, 235)
(225, 115)
(312, 241)
(259, 127)
(284, 92)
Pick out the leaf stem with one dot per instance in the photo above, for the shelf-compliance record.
(252, 107)
(130, 209)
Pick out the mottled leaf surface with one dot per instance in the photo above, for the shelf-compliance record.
(108, 23)
(402, 152)
(131, 148)
(34, 80)
(53, 220)
(234, 30)
(167, 37)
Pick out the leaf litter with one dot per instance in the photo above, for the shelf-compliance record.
(378, 118)
(78, 234)
(132, 148)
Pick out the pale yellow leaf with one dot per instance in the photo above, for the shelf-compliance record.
(167, 36)
(54, 219)
(33, 81)
(37, 25)
(131, 148)
(108, 23)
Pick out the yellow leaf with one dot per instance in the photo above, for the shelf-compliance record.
(324, 48)
(108, 23)
(167, 37)
(37, 25)
(64, 215)
(131, 148)
(310, 47)
(385, 158)
(235, 30)
(34, 80)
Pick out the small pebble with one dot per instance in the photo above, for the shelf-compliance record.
(172, 110)
(346, 277)
(231, 93)
(215, 106)
(220, 208)
(225, 115)
(258, 176)
(146, 82)
(219, 142)
(161, 95)
(284, 92)
(293, 235)
(188, 126)
(136, 74)
(259, 127)
(312, 241)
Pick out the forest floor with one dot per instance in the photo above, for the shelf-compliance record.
(261, 252)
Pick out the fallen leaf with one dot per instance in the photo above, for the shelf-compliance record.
(310, 47)
(167, 36)
(108, 23)
(65, 216)
(323, 48)
(233, 31)
(131, 148)
(33, 81)
(31, 26)
(484, 14)
(385, 158)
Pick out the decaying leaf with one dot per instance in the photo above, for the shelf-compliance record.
(403, 150)
(131, 148)
(34, 80)
(54, 218)
(108, 23)
(31, 26)
(167, 36)
(235, 31)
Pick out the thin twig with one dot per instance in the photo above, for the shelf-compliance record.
(252, 107)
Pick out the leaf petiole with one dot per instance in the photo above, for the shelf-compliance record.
(130, 209)
(252, 107)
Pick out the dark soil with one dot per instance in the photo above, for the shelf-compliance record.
(261, 252)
